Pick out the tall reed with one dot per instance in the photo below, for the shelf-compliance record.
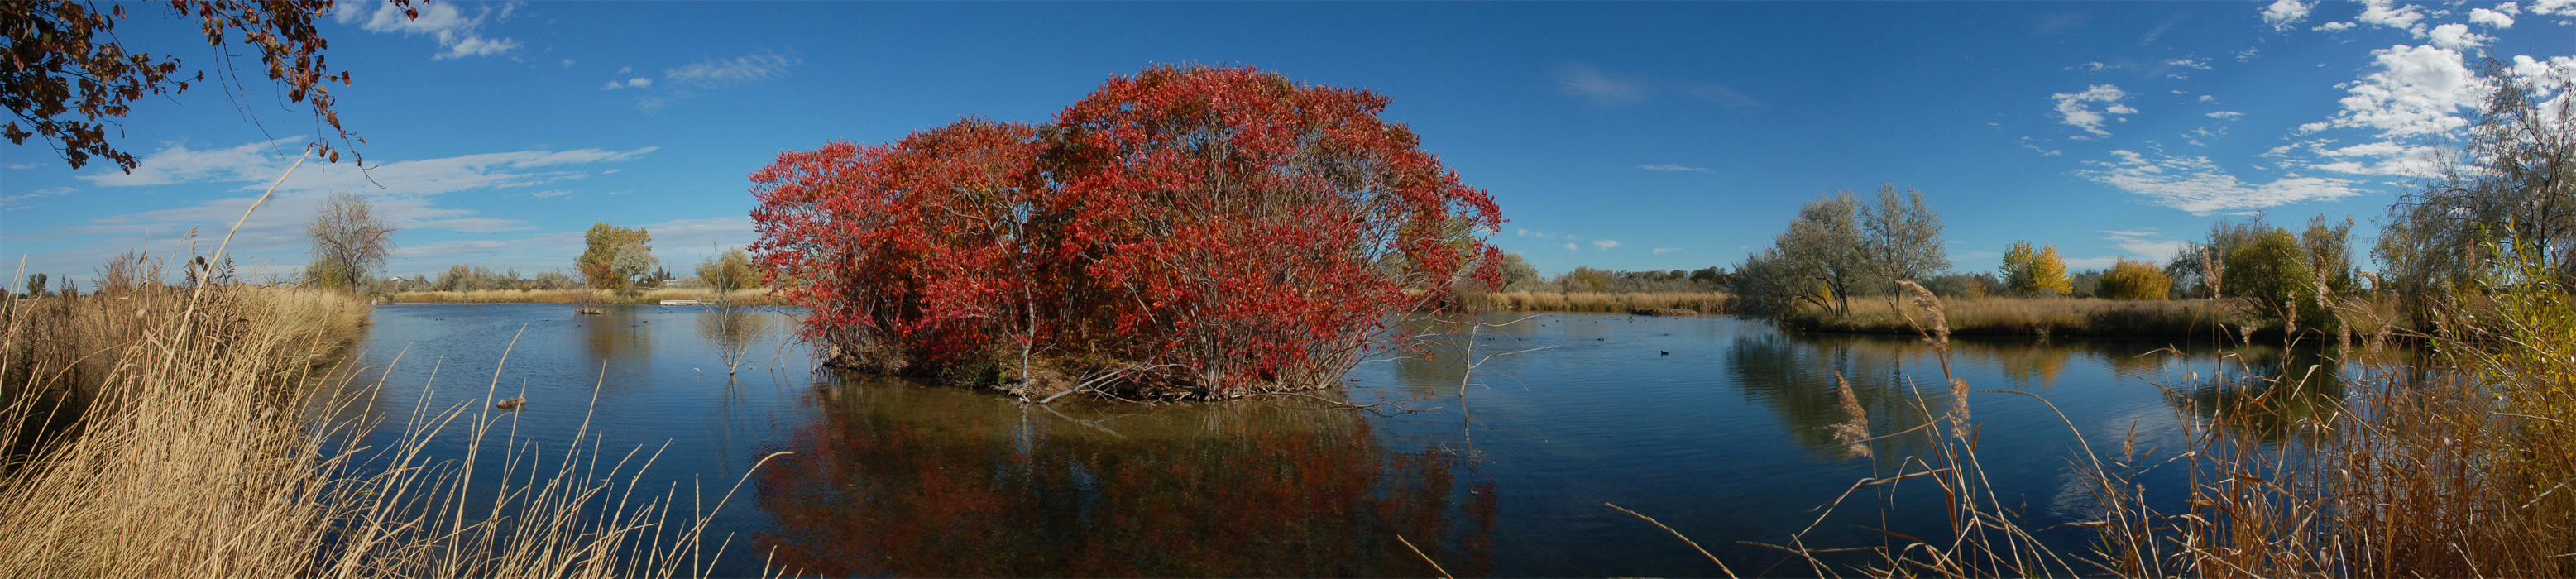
(182, 432)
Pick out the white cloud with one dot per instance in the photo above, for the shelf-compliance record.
(2333, 27)
(1665, 250)
(1723, 96)
(2094, 67)
(19, 201)
(2552, 7)
(2419, 90)
(2227, 115)
(726, 72)
(1604, 244)
(1521, 232)
(2491, 18)
(625, 69)
(2284, 13)
(2208, 99)
(2143, 243)
(453, 29)
(1672, 167)
(2456, 36)
(567, 63)
(2249, 54)
(637, 82)
(2044, 152)
(1571, 247)
(2195, 63)
(2071, 109)
(2197, 185)
(2379, 13)
(1582, 80)
(2381, 158)
(550, 193)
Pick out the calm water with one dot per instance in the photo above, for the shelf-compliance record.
(1713, 425)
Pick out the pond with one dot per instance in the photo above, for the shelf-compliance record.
(1715, 426)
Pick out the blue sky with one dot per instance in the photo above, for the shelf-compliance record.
(1625, 136)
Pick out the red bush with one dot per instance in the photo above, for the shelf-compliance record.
(1188, 230)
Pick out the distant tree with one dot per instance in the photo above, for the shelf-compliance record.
(69, 77)
(1518, 275)
(1965, 285)
(1903, 238)
(1586, 279)
(1771, 285)
(601, 246)
(36, 285)
(2271, 276)
(2131, 279)
(634, 264)
(2084, 284)
(2328, 246)
(349, 242)
(728, 271)
(2034, 272)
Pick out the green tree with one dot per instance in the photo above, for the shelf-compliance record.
(634, 263)
(2034, 272)
(36, 285)
(601, 246)
(2509, 187)
(2270, 274)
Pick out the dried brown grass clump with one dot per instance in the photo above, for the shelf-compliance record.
(169, 432)
(1700, 302)
(2013, 316)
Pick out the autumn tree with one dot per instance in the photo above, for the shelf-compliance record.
(2131, 279)
(1840, 247)
(2034, 271)
(349, 242)
(1187, 231)
(602, 245)
(68, 77)
(728, 271)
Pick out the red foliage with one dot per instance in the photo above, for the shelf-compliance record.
(1216, 231)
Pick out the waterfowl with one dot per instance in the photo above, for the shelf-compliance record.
(511, 404)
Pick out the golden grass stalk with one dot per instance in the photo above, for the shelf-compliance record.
(167, 434)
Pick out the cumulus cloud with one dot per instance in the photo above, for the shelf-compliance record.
(1665, 250)
(1582, 80)
(2381, 13)
(2072, 110)
(2226, 115)
(454, 30)
(2197, 63)
(2418, 90)
(2491, 18)
(2333, 27)
(637, 82)
(1672, 167)
(2456, 36)
(1604, 244)
(550, 193)
(1572, 247)
(2197, 185)
(2284, 13)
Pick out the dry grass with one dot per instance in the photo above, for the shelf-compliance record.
(1702, 302)
(2007, 316)
(749, 297)
(188, 438)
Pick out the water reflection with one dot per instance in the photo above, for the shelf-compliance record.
(618, 336)
(899, 480)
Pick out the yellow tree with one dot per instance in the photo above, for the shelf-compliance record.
(2035, 271)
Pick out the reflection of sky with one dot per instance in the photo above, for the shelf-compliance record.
(1709, 424)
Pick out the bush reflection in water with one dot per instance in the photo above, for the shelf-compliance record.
(895, 479)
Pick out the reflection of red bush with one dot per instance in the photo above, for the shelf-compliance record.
(953, 496)
(1217, 230)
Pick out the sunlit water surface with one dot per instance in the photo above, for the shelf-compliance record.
(1712, 425)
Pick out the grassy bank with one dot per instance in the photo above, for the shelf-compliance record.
(753, 297)
(1702, 302)
(2087, 317)
(166, 432)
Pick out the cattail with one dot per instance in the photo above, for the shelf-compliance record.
(1854, 434)
(1958, 407)
(1931, 305)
